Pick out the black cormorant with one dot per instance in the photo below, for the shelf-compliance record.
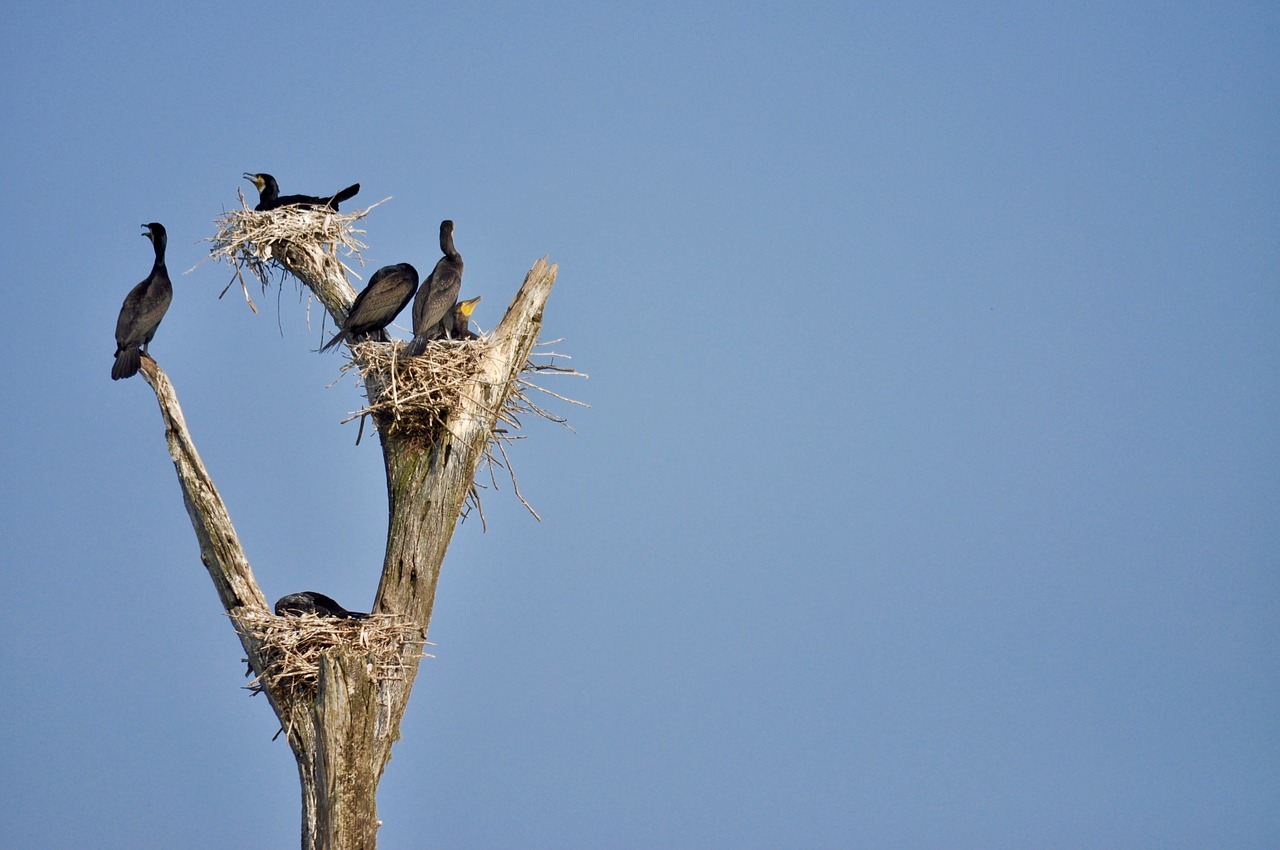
(143, 308)
(438, 294)
(310, 602)
(456, 323)
(389, 290)
(269, 196)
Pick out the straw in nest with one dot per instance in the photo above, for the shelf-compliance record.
(414, 396)
(293, 646)
(302, 238)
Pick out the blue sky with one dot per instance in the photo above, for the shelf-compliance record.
(928, 495)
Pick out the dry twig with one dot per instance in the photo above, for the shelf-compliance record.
(413, 397)
(293, 647)
(519, 404)
(249, 241)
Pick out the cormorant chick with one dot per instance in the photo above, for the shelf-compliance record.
(456, 323)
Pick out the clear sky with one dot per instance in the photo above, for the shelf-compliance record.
(928, 496)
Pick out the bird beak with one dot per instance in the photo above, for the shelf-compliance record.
(146, 231)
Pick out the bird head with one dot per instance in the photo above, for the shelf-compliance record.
(259, 181)
(154, 231)
(466, 308)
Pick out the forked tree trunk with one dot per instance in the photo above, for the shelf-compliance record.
(342, 739)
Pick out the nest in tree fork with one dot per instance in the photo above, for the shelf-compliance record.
(293, 646)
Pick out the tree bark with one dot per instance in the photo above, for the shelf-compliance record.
(342, 738)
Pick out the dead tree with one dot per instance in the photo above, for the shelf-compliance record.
(340, 687)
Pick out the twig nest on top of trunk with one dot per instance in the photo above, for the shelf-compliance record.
(302, 239)
(412, 397)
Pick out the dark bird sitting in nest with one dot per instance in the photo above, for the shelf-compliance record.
(143, 308)
(389, 290)
(310, 602)
(438, 294)
(269, 196)
(456, 324)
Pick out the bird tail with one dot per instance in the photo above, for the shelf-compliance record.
(347, 193)
(339, 337)
(128, 362)
(416, 346)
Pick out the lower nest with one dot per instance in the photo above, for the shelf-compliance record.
(412, 397)
(291, 648)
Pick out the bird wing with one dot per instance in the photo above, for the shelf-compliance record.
(443, 296)
(129, 311)
(436, 296)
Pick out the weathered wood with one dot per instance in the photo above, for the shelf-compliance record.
(331, 287)
(342, 740)
(426, 489)
(220, 548)
(347, 762)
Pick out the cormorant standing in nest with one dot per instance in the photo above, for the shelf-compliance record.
(143, 308)
(456, 323)
(269, 196)
(438, 294)
(389, 290)
(311, 602)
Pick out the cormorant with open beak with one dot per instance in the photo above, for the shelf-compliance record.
(456, 323)
(269, 196)
(143, 308)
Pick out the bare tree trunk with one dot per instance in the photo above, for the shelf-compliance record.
(340, 758)
(342, 735)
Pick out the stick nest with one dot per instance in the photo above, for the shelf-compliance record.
(292, 648)
(304, 239)
(412, 397)
(415, 397)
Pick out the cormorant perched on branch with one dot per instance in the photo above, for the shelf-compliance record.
(438, 294)
(310, 602)
(456, 323)
(379, 303)
(269, 196)
(143, 308)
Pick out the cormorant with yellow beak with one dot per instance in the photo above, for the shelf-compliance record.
(269, 196)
